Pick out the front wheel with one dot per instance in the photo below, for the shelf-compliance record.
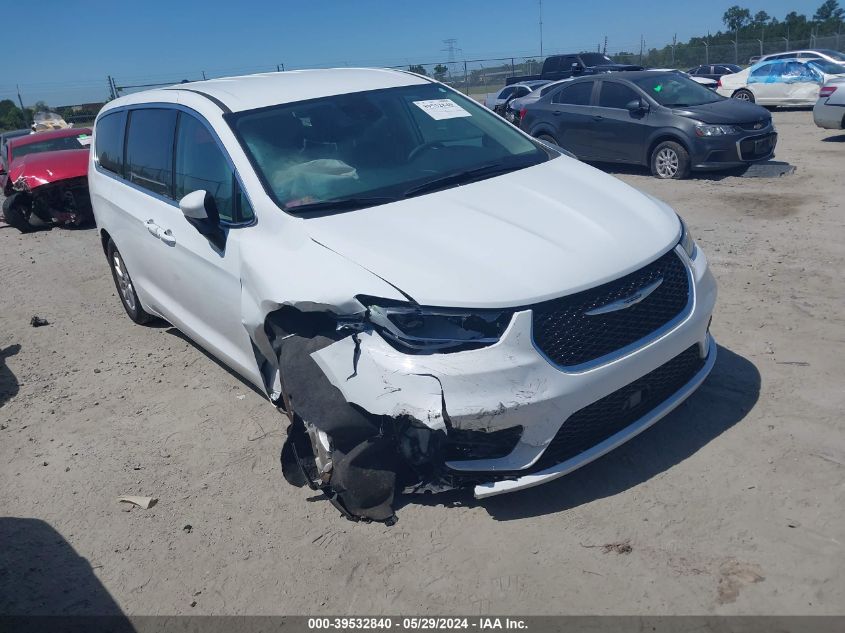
(670, 160)
(125, 288)
(548, 138)
(17, 210)
(743, 95)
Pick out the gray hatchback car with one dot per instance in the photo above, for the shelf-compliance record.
(660, 119)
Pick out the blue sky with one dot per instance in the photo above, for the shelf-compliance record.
(65, 58)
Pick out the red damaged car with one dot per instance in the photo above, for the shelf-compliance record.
(44, 177)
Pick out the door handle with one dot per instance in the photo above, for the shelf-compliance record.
(155, 230)
(598, 117)
(556, 113)
(167, 237)
(152, 227)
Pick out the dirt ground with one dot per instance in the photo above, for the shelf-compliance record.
(735, 503)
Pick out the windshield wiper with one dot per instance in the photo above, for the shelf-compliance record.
(341, 204)
(466, 176)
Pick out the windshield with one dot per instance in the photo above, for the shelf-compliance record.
(828, 68)
(373, 147)
(595, 59)
(676, 91)
(52, 145)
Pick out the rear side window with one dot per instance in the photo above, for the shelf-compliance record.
(576, 94)
(615, 95)
(200, 164)
(109, 144)
(149, 149)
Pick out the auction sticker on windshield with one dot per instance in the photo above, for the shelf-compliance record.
(440, 109)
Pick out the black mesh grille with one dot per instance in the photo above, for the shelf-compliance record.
(757, 146)
(570, 337)
(598, 421)
(462, 444)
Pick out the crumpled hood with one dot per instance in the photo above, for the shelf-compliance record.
(33, 170)
(726, 111)
(534, 234)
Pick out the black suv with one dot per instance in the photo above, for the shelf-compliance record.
(661, 119)
(574, 65)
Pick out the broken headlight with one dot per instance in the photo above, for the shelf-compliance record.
(687, 242)
(420, 330)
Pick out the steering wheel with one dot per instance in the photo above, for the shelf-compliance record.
(424, 147)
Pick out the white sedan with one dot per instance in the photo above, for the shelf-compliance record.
(780, 82)
(434, 298)
(829, 111)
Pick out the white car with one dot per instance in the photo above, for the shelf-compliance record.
(781, 82)
(436, 299)
(829, 111)
(837, 57)
(498, 101)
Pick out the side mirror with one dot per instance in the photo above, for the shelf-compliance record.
(200, 211)
(576, 67)
(636, 106)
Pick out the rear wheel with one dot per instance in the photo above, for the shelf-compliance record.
(743, 95)
(125, 288)
(670, 160)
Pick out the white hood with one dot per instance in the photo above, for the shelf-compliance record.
(512, 240)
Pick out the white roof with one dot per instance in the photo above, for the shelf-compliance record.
(256, 91)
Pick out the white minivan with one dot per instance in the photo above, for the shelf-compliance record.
(434, 298)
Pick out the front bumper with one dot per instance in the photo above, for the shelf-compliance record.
(829, 116)
(512, 384)
(724, 152)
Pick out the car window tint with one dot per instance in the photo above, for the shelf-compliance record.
(576, 94)
(615, 95)
(149, 149)
(200, 164)
(109, 141)
(506, 92)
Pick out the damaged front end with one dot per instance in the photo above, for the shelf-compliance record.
(389, 433)
(48, 189)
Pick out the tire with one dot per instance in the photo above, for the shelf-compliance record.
(669, 160)
(743, 95)
(16, 211)
(124, 286)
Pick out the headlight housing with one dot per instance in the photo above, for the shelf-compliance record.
(715, 130)
(416, 329)
(687, 242)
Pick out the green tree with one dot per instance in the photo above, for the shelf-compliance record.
(761, 18)
(440, 72)
(11, 116)
(40, 106)
(830, 10)
(417, 68)
(736, 17)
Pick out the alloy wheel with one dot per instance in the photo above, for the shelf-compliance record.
(124, 282)
(667, 163)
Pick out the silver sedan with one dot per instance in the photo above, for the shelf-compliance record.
(829, 111)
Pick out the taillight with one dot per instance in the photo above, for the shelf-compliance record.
(719, 82)
(826, 91)
(522, 113)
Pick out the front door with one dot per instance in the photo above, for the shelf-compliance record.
(617, 134)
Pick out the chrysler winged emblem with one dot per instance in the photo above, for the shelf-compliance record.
(627, 302)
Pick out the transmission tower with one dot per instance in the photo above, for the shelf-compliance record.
(452, 50)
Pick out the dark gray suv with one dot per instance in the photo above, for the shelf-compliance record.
(660, 119)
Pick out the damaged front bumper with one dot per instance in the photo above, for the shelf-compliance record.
(547, 420)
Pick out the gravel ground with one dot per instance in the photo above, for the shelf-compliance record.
(732, 504)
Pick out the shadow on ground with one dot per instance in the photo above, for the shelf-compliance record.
(42, 575)
(616, 169)
(724, 399)
(839, 138)
(8, 381)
